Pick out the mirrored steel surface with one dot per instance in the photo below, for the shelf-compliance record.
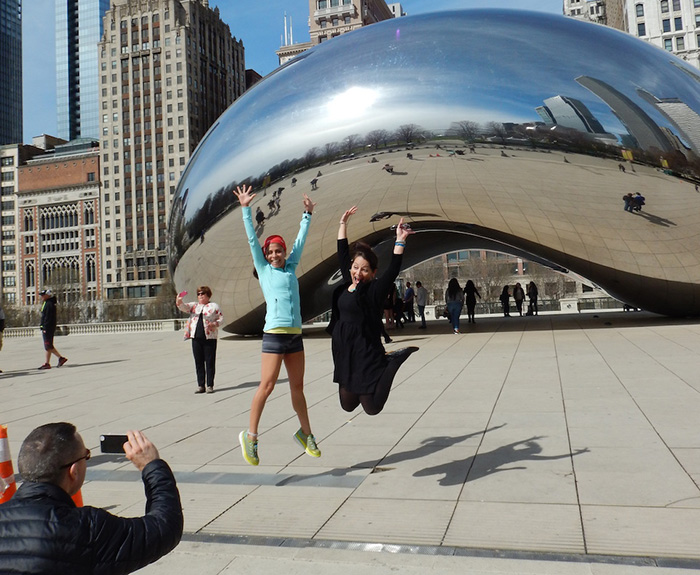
(566, 118)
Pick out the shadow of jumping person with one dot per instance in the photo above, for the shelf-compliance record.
(500, 459)
(427, 447)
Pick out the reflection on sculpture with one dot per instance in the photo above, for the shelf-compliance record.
(505, 131)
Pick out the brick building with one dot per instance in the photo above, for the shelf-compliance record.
(58, 224)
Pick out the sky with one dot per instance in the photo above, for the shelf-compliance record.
(260, 28)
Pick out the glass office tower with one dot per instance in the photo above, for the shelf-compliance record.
(78, 30)
(10, 71)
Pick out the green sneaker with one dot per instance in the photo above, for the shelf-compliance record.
(249, 447)
(308, 442)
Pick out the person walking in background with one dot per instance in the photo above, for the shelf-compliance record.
(282, 340)
(532, 295)
(42, 531)
(363, 370)
(389, 308)
(48, 328)
(505, 301)
(421, 302)
(454, 298)
(398, 309)
(471, 293)
(519, 297)
(408, 297)
(203, 329)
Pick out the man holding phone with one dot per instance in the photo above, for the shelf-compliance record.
(42, 531)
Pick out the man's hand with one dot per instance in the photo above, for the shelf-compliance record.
(139, 450)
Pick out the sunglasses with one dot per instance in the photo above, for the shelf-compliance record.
(201, 293)
(86, 457)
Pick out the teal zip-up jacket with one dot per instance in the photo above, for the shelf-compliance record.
(279, 285)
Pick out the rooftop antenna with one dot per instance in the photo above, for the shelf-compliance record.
(285, 30)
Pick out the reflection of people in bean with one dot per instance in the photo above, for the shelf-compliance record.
(282, 341)
(363, 370)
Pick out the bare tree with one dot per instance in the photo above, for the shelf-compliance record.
(409, 133)
(465, 130)
(310, 157)
(376, 138)
(497, 129)
(351, 142)
(331, 151)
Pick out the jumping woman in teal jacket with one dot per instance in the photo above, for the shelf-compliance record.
(282, 339)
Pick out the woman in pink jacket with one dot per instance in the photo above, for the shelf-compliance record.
(203, 329)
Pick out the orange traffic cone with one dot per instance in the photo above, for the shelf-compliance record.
(8, 487)
(78, 499)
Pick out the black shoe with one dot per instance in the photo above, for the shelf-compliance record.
(401, 354)
(388, 340)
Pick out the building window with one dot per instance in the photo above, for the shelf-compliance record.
(322, 4)
(8, 161)
(676, 5)
(666, 25)
(680, 43)
(640, 10)
(664, 6)
(678, 24)
(668, 44)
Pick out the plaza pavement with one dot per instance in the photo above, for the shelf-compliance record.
(552, 444)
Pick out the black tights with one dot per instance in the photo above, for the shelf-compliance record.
(372, 403)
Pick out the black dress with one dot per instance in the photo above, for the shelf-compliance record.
(356, 326)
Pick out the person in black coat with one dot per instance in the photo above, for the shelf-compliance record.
(48, 328)
(362, 368)
(43, 532)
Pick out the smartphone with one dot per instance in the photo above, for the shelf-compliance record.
(182, 294)
(112, 443)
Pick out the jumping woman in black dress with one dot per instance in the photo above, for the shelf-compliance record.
(363, 370)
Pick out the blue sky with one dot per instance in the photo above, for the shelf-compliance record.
(260, 29)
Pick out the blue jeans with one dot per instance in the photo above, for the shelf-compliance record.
(454, 308)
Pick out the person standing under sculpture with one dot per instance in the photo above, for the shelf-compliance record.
(505, 301)
(203, 329)
(532, 295)
(363, 371)
(282, 340)
(421, 302)
(454, 299)
(408, 297)
(471, 293)
(519, 297)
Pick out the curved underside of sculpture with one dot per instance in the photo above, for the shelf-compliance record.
(566, 118)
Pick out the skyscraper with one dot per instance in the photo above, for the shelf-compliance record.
(331, 18)
(168, 70)
(11, 71)
(78, 30)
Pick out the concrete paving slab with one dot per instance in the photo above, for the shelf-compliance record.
(555, 444)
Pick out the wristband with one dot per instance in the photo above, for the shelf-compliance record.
(307, 212)
(402, 244)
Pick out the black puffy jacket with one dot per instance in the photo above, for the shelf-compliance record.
(42, 531)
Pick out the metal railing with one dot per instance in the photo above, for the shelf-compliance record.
(101, 328)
